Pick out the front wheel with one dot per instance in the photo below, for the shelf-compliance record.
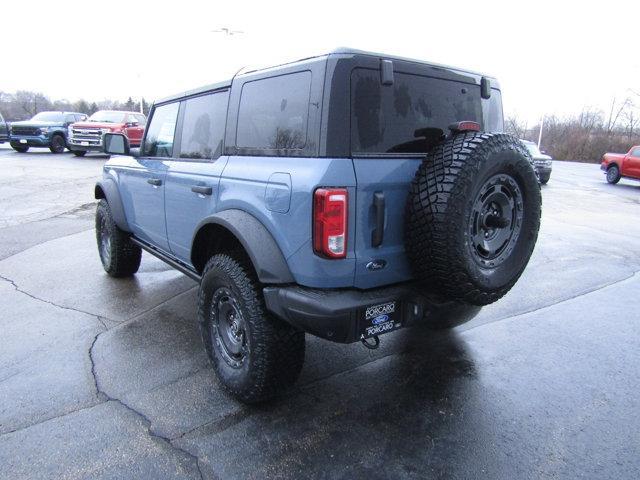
(613, 174)
(254, 354)
(57, 144)
(120, 257)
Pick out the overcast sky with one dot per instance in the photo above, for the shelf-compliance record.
(550, 56)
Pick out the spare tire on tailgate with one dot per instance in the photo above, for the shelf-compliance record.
(473, 215)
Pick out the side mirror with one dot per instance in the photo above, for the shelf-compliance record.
(116, 144)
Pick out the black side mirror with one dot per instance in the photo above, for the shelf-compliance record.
(116, 144)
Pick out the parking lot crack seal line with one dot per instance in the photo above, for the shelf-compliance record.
(48, 419)
(105, 397)
(303, 386)
(588, 292)
(99, 318)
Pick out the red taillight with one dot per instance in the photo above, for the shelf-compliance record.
(330, 216)
(465, 126)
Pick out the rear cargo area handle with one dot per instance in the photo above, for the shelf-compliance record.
(379, 207)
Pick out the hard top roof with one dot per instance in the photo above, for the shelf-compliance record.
(337, 51)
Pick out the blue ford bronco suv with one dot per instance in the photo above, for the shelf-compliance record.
(345, 195)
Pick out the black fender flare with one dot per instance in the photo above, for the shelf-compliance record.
(107, 188)
(265, 254)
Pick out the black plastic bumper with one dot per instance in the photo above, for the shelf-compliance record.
(339, 314)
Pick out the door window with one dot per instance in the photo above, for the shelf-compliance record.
(635, 152)
(203, 126)
(161, 131)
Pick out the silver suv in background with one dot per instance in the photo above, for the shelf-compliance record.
(543, 163)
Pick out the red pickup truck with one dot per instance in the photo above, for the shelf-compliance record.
(618, 165)
(86, 136)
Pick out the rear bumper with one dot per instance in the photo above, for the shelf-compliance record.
(339, 315)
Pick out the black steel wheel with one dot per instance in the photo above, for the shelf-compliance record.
(496, 220)
(228, 332)
(57, 144)
(120, 257)
(255, 355)
(473, 215)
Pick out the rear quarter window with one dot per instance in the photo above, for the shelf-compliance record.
(384, 119)
(274, 113)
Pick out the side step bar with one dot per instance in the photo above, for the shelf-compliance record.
(172, 262)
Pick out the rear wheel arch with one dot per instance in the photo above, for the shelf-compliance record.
(233, 230)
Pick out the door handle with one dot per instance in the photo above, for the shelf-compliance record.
(378, 232)
(201, 190)
(156, 182)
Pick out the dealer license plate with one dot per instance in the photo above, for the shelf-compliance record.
(379, 319)
(84, 143)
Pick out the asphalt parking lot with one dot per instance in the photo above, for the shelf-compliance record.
(104, 378)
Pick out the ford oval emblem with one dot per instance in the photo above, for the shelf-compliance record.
(380, 319)
(376, 264)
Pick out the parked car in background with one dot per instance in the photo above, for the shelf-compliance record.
(543, 162)
(4, 130)
(618, 165)
(45, 129)
(87, 136)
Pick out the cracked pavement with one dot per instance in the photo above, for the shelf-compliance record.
(105, 378)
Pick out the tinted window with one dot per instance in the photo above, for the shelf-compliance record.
(635, 152)
(49, 117)
(203, 126)
(385, 118)
(492, 110)
(159, 139)
(274, 112)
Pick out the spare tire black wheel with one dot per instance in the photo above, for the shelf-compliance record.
(473, 215)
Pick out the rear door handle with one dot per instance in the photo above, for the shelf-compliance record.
(156, 182)
(201, 190)
(378, 233)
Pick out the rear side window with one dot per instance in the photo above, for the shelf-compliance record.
(384, 119)
(159, 139)
(141, 119)
(203, 126)
(274, 112)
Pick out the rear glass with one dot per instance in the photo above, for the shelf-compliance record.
(274, 112)
(384, 119)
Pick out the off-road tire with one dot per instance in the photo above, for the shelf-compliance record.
(613, 174)
(272, 350)
(20, 149)
(121, 257)
(58, 144)
(456, 174)
(79, 153)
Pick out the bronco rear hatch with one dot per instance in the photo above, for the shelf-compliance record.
(396, 109)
